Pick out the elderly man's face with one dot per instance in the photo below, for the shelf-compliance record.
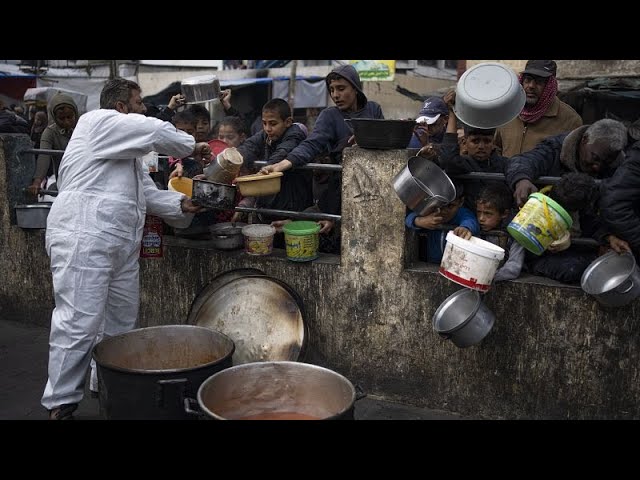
(596, 159)
(533, 87)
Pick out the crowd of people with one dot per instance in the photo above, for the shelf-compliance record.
(94, 230)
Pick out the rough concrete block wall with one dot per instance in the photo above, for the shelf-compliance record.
(553, 353)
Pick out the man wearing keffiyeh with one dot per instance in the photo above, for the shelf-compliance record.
(543, 114)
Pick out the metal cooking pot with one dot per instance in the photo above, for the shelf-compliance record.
(423, 186)
(227, 235)
(147, 373)
(464, 318)
(613, 279)
(32, 215)
(489, 95)
(277, 391)
(200, 89)
(215, 195)
(381, 133)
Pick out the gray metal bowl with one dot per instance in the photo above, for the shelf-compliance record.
(489, 95)
(613, 279)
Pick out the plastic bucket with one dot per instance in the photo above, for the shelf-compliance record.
(539, 222)
(258, 239)
(302, 240)
(470, 263)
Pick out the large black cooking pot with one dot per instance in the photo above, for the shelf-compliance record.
(147, 373)
(277, 391)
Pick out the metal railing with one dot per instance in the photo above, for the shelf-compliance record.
(338, 218)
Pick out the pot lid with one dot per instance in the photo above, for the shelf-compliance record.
(262, 315)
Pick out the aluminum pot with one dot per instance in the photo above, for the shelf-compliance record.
(489, 95)
(215, 195)
(227, 235)
(613, 279)
(463, 318)
(148, 373)
(423, 186)
(33, 215)
(200, 89)
(277, 391)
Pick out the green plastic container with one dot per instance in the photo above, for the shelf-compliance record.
(301, 239)
(539, 223)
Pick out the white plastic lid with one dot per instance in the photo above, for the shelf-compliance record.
(477, 246)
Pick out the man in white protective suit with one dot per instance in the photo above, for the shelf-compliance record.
(94, 230)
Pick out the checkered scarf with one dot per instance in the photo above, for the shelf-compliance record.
(535, 112)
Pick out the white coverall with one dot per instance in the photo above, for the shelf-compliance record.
(94, 230)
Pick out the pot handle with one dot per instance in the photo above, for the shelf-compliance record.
(360, 393)
(625, 290)
(446, 336)
(188, 402)
(178, 385)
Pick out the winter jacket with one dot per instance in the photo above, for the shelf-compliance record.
(12, 123)
(620, 200)
(455, 164)
(436, 239)
(296, 185)
(517, 137)
(54, 137)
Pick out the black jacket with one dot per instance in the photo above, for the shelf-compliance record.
(454, 164)
(296, 192)
(620, 199)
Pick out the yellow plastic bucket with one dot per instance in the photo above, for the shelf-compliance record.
(302, 240)
(539, 223)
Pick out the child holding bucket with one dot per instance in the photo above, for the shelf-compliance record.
(451, 214)
(493, 209)
(579, 194)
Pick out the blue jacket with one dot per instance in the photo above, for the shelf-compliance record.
(436, 239)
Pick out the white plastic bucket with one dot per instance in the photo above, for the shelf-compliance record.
(470, 263)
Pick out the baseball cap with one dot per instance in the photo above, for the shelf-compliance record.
(431, 110)
(541, 68)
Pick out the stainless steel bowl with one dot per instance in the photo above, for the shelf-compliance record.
(489, 95)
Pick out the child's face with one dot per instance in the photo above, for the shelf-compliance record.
(230, 136)
(488, 216)
(449, 211)
(203, 126)
(343, 95)
(189, 128)
(274, 125)
(66, 117)
(479, 146)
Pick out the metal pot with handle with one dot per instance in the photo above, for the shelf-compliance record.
(423, 186)
(227, 235)
(613, 279)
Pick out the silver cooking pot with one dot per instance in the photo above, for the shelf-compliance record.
(227, 235)
(463, 318)
(423, 186)
(200, 89)
(613, 279)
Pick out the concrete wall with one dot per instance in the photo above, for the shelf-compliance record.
(553, 352)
